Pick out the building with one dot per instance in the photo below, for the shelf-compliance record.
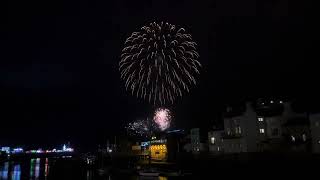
(158, 149)
(215, 141)
(315, 132)
(271, 126)
(239, 134)
(198, 141)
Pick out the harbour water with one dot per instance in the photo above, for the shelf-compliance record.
(53, 169)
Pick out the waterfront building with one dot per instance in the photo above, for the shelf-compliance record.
(315, 131)
(272, 126)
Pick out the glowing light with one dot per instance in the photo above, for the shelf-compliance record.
(6, 149)
(162, 117)
(261, 131)
(159, 63)
(213, 140)
(17, 150)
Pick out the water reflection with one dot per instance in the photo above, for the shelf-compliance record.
(89, 174)
(34, 169)
(4, 171)
(13, 170)
(16, 173)
(46, 168)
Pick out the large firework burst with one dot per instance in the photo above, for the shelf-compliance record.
(159, 63)
(162, 117)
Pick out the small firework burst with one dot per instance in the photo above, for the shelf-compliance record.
(140, 128)
(162, 118)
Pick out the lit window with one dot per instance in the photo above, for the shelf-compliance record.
(218, 148)
(238, 130)
(228, 131)
(213, 140)
(261, 131)
(293, 139)
(271, 102)
(319, 142)
(304, 137)
(260, 119)
(281, 102)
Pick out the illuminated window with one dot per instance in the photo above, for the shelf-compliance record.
(261, 131)
(304, 137)
(271, 102)
(218, 148)
(239, 130)
(213, 140)
(281, 102)
(260, 119)
(228, 131)
(293, 139)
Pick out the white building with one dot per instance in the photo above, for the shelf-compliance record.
(315, 132)
(249, 132)
(239, 134)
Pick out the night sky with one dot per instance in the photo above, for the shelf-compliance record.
(59, 78)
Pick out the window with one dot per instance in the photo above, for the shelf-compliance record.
(260, 119)
(304, 137)
(261, 131)
(218, 148)
(293, 139)
(238, 130)
(213, 140)
(228, 131)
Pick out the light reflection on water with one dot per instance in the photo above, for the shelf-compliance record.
(4, 170)
(38, 169)
(12, 170)
(16, 173)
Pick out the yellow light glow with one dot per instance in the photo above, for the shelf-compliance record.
(158, 152)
